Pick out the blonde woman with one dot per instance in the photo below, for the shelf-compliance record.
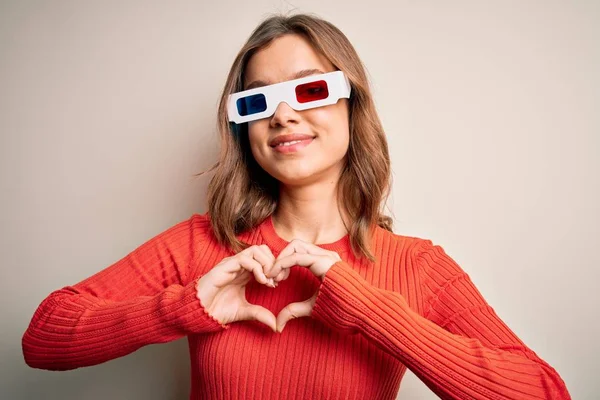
(293, 285)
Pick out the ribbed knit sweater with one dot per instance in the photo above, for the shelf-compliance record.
(414, 308)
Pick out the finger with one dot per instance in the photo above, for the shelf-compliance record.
(295, 246)
(300, 246)
(264, 256)
(248, 263)
(292, 311)
(267, 251)
(258, 313)
(282, 275)
(302, 260)
(267, 259)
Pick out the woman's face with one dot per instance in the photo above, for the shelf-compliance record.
(323, 157)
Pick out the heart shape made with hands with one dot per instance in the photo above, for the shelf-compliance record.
(303, 254)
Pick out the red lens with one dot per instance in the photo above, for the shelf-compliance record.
(312, 91)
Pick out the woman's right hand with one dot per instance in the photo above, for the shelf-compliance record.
(222, 290)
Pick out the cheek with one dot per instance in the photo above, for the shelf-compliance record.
(331, 124)
(254, 130)
(257, 134)
(333, 117)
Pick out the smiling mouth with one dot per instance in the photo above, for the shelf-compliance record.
(292, 146)
(293, 141)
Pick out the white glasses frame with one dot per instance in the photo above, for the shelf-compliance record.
(338, 87)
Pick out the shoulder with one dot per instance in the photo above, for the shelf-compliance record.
(193, 227)
(193, 235)
(200, 221)
(401, 245)
(427, 256)
(203, 242)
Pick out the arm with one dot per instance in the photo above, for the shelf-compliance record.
(460, 348)
(144, 298)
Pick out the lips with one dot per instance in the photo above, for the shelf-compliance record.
(288, 138)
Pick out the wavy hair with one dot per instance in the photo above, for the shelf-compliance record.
(241, 194)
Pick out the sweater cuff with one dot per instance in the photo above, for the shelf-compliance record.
(333, 305)
(190, 315)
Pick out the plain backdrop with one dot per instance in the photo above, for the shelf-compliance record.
(490, 108)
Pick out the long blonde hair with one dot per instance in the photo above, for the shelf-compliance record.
(241, 194)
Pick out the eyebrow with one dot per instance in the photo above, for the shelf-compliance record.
(297, 75)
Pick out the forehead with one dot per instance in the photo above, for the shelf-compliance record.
(282, 58)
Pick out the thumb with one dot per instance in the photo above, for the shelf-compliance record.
(293, 310)
(259, 313)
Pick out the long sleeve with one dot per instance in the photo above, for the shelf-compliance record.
(144, 298)
(459, 348)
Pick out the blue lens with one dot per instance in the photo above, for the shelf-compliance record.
(252, 104)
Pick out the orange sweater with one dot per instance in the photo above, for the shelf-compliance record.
(413, 308)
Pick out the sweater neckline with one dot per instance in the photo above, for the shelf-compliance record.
(276, 243)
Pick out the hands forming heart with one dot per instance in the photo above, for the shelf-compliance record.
(303, 254)
(221, 291)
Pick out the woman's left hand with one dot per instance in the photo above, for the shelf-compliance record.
(304, 254)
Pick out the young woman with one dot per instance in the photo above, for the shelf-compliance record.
(295, 241)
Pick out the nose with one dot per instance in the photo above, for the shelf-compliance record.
(284, 115)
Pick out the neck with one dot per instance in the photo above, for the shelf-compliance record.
(310, 214)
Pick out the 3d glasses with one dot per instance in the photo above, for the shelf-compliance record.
(300, 94)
